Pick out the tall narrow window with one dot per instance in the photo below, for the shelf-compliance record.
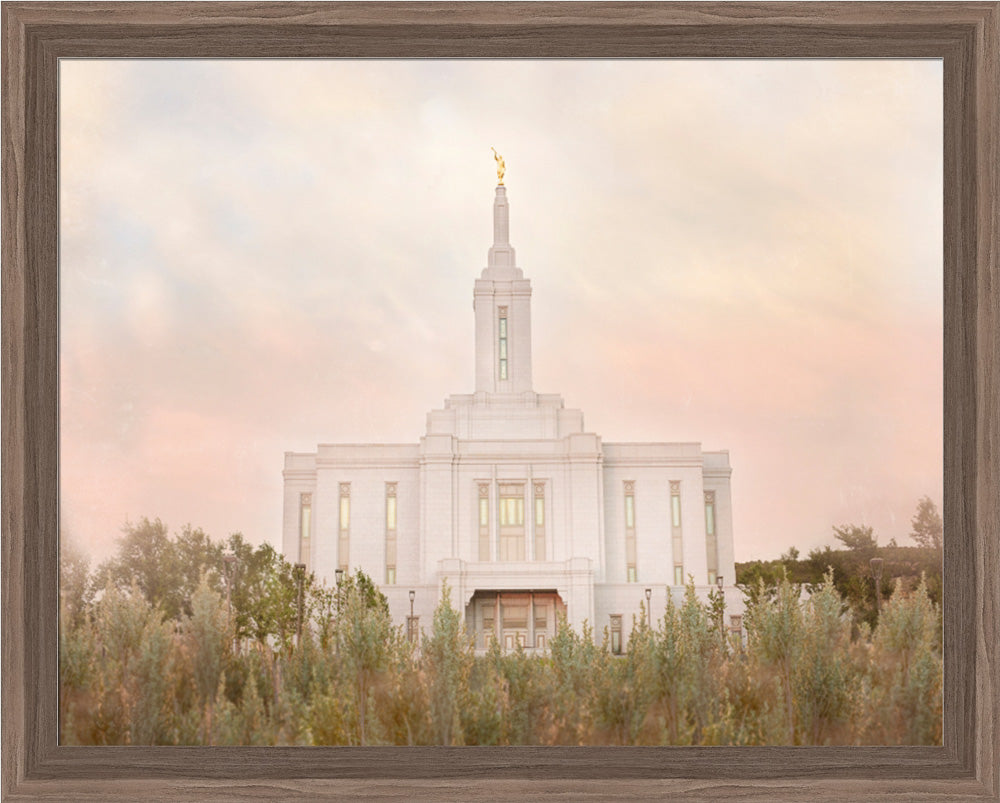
(539, 521)
(484, 521)
(616, 634)
(541, 625)
(675, 532)
(511, 522)
(630, 567)
(344, 539)
(390, 533)
(488, 609)
(503, 342)
(711, 538)
(305, 528)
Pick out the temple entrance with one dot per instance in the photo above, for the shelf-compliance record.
(514, 618)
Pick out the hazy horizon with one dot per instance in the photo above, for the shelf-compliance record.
(260, 256)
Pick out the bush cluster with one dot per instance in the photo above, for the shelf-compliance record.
(155, 651)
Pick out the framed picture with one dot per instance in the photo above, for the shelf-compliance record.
(511, 517)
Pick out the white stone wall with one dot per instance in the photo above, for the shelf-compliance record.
(652, 467)
(438, 521)
(300, 478)
(717, 478)
(367, 468)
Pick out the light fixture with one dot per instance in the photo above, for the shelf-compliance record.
(718, 582)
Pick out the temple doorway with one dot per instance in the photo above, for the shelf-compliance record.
(514, 618)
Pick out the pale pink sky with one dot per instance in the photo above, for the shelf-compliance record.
(261, 256)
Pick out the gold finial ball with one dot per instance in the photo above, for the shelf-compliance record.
(501, 167)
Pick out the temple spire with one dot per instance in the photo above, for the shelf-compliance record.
(501, 254)
(502, 303)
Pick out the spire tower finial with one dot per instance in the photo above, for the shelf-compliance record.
(501, 254)
(501, 166)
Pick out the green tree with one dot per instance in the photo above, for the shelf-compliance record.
(774, 629)
(483, 713)
(623, 691)
(448, 660)
(167, 570)
(196, 558)
(611, 696)
(857, 537)
(78, 651)
(152, 708)
(928, 529)
(407, 712)
(264, 594)
(641, 668)
(245, 723)
(701, 655)
(76, 587)
(146, 558)
(122, 619)
(207, 640)
(670, 668)
(365, 637)
(907, 662)
(573, 656)
(822, 677)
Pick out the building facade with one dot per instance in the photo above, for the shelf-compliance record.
(510, 500)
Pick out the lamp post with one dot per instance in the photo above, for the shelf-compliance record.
(339, 574)
(409, 622)
(300, 576)
(229, 567)
(876, 564)
(649, 610)
(720, 584)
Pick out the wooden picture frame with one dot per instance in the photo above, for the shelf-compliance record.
(966, 36)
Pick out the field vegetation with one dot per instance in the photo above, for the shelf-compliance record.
(157, 646)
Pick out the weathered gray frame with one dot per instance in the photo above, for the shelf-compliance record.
(965, 35)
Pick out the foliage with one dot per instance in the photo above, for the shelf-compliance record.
(852, 576)
(907, 674)
(365, 639)
(448, 656)
(217, 661)
(928, 529)
(855, 536)
(791, 555)
(775, 626)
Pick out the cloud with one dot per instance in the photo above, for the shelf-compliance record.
(259, 256)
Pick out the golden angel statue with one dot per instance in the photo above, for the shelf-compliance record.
(501, 167)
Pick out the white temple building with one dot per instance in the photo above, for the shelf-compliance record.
(509, 499)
